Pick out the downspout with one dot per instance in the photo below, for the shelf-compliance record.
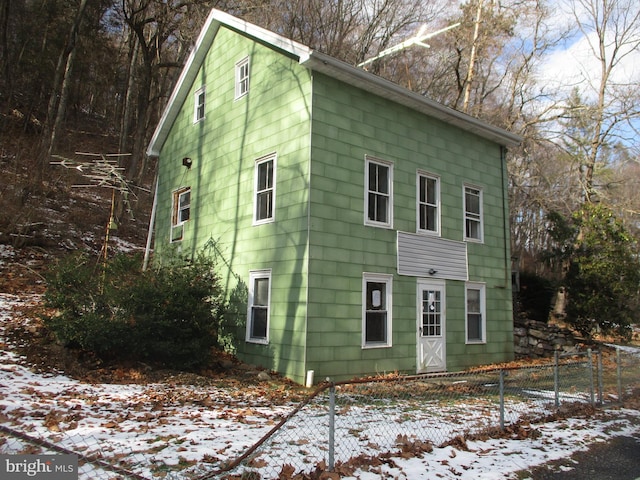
(505, 209)
(306, 370)
(147, 249)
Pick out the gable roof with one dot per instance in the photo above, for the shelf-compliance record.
(316, 61)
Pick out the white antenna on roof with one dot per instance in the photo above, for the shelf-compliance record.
(418, 39)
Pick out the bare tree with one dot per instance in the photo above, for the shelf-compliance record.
(59, 94)
(4, 42)
(611, 31)
(351, 30)
(161, 31)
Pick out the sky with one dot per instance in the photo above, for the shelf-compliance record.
(573, 63)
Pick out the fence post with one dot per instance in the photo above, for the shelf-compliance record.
(591, 385)
(332, 425)
(600, 380)
(619, 374)
(556, 377)
(501, 399)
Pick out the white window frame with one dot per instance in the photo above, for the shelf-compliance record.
(199, 104)
(369, 161)
(178, 208)
(259, 191)
(419, 203)
(387, 280)
(481, 287)
(177, 220)
(251, 307)
(476, 217)
(242, 78)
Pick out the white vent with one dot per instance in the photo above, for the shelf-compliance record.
(431, 257)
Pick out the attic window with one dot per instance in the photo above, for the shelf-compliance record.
(242, 77)
(199, 98)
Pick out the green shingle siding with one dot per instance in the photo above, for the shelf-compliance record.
(411, 142)
(319, 246)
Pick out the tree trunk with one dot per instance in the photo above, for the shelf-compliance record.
(4, 45)
(127, 110)
(62, 104)
(62, 69)
(472, 59)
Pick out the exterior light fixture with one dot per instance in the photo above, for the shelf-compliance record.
(187, 162)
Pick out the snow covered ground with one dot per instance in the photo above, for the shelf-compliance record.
(170, 430)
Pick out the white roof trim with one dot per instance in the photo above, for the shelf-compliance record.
(316, 61)
(384, 88)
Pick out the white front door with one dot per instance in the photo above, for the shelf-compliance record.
(431, 326)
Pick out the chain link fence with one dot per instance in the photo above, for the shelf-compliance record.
(360, 420)
(355, 422)
(93, 461)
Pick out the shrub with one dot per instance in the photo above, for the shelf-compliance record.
(601, 268)
(166, 316)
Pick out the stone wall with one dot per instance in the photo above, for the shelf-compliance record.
(534, 339)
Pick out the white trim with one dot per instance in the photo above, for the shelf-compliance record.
(177, 226)
(175, 198)
(369, 160)
(424, 174)
(388, 281)
(253, 276)
(272, 157)
(242, 80)
(480, 220)
(481, 287)
(422, 342)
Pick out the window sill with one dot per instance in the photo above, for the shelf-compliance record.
(371, 346)
(263, 222)
(386, 226)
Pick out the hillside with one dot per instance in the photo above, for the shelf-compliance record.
(60, 214)
(44, 221)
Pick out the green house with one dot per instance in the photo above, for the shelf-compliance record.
(359, 228)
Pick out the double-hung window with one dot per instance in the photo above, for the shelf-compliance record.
(376, 315)
(199, 103)
(428, 203)
(259, 306)
(476, 312)
(242, 77)
(378, 192)
(264, 196)
(473, 213)
(180, 212)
